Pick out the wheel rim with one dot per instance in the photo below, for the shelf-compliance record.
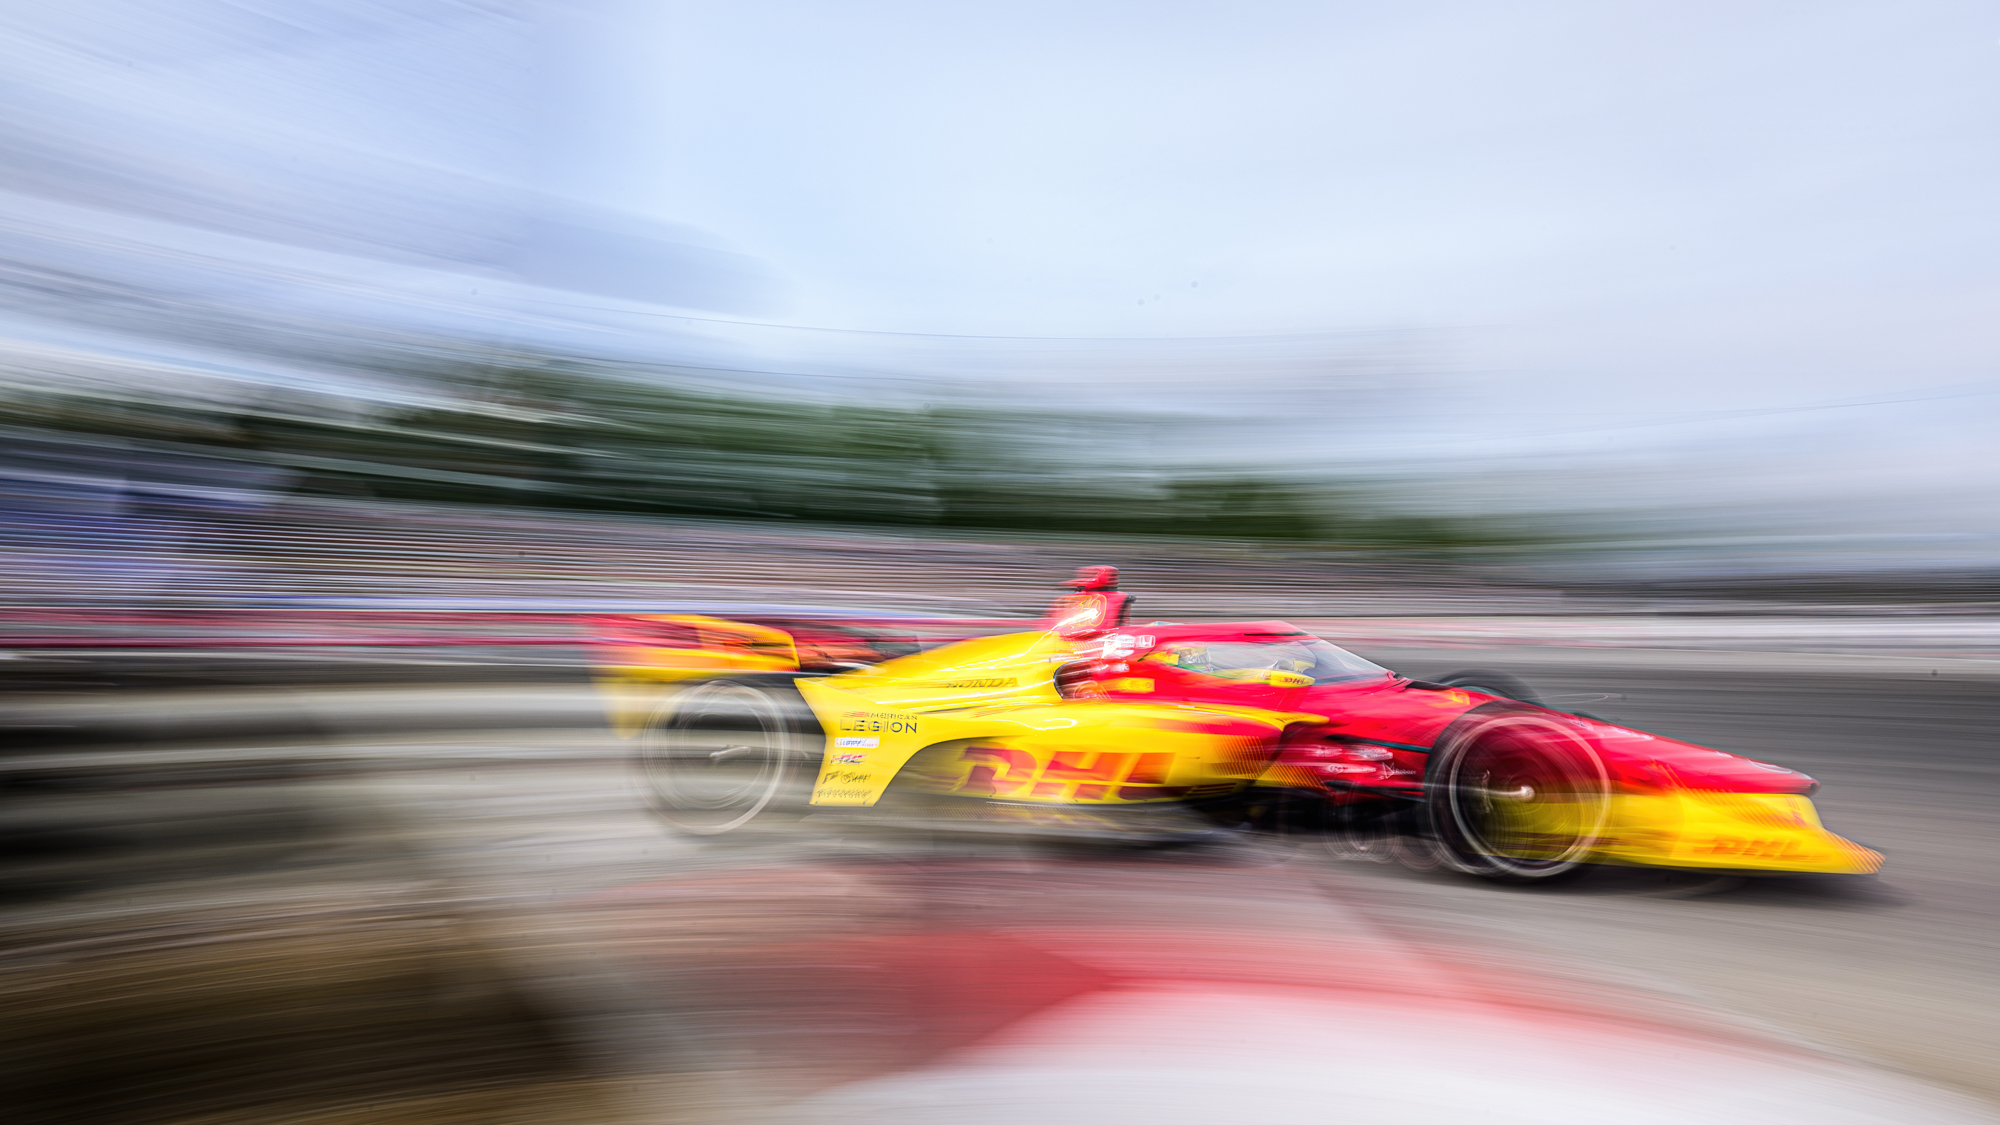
(1524, 800)
(715, 757)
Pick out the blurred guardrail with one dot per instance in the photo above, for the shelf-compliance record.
(44, 628)
(80, 676)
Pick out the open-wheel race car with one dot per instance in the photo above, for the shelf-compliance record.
(1085, 719)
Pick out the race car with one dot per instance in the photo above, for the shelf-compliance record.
(1087, 718)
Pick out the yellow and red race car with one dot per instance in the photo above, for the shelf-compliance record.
(1087, 717)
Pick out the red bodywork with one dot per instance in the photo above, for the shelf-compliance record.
(1379, 728)
(1507, 789)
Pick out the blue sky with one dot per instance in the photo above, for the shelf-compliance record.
(1739, 259)
(1701, 250)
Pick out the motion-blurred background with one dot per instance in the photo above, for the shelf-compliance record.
(350, 349)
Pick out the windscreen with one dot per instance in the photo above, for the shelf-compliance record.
(1248, 659)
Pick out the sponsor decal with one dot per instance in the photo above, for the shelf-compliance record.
(980, 682)
(1002, 771)
(1723, 846)
(1125, 644)
(852, 743)
(893, 722)
(850, 759)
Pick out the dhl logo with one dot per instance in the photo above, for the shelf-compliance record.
(1750, 848)
(1083, 775)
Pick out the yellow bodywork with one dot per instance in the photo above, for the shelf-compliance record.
(1682, 828)
(1733, 831)
(983, 719)
(637, 678)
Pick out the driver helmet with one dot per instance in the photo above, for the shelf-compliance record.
(1094, 579)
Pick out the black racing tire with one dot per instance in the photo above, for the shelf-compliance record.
(1516, 797)
(721, 754)
(1364, 833)
(1490, 682)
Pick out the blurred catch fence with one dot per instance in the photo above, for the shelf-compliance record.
(307, 554)
(363, 627)
(310, 581)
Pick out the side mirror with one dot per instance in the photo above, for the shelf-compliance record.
(1286, 679)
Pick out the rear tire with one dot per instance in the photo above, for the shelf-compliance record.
(720, 754)
(1517, 798)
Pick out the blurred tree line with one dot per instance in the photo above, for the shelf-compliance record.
(572, 435)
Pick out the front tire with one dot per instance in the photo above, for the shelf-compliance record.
(720, 754)
(1490, 682)
(1517, 798)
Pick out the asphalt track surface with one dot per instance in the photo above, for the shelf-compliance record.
(510, 803)
(1903, 967)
